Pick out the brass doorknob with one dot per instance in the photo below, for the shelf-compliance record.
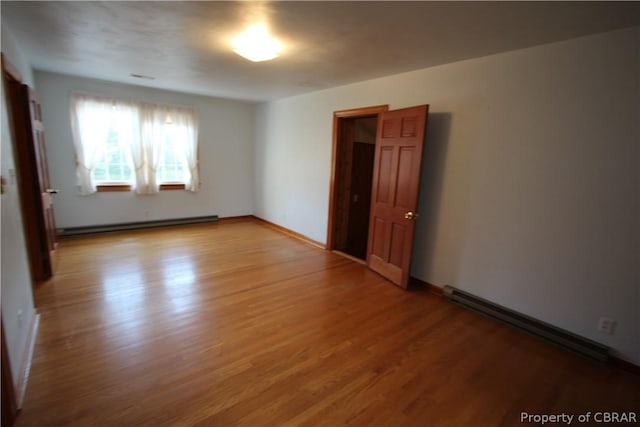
(411, 215)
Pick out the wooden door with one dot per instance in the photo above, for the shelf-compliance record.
(44, 186)
(396, 183)
(32, 174)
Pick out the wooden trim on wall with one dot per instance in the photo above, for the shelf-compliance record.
(235, 219)
(362, 112)
(623, 365)
(338, 116)
(434, 289)
(288, 232)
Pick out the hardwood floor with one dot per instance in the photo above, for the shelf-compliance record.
(237, 324)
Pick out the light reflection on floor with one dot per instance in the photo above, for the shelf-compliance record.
(124, 291)
(179, 283)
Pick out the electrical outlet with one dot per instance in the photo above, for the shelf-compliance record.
(607, 325)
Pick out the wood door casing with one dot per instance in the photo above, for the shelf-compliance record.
(343, 193)
(337, 184)
(396, 184)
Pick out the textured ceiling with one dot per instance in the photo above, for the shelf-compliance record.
(184, 45)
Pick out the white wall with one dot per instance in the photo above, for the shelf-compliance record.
(15, 277)
(226, 157)
(531, 186)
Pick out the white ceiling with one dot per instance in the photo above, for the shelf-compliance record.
(184, 45)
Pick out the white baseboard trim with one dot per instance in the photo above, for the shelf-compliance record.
(25, 367)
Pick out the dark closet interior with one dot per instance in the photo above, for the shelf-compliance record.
(355, 175)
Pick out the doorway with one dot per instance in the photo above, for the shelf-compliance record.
(354, 139)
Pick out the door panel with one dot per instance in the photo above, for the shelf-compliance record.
(379, 237)
(384, 175)
(37, 129)
(404, 189)
(391, 127)
(396, 183)
(398, 235)
(409, 126)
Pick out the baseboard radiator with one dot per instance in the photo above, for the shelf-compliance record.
(79, 231)
(565, 339)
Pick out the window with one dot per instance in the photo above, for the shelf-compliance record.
(114, 165)
(122, 144)
(173, 167)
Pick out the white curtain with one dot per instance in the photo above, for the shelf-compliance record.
(142, 128)
(136, 151)
(152, 125)
(90, 118)
(186, 125)
(126, 117)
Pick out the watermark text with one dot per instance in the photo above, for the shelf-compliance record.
(587, 417)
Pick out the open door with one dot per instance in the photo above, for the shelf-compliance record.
(44, 186)
(25, 116)
(396, 185)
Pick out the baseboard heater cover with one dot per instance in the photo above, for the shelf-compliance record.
(78, 231)
(565, 339)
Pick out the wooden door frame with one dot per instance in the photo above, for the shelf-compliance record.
(27, 178)
(339, 118)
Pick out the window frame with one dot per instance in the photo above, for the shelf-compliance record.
(162, 180)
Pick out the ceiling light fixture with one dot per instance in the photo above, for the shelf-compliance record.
(256, 44)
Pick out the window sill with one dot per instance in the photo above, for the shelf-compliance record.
(102, 188)
(113, 187)
(172, 186)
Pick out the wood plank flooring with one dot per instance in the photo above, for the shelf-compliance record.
(237, 324)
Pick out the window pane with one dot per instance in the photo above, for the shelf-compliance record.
(113, 166)
(100, 174)
(172, 167)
